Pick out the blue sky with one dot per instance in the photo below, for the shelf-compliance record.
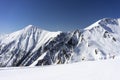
(54, 15)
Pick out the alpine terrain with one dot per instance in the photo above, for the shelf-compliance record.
(32, 46)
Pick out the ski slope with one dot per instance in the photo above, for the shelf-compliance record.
(88, 70)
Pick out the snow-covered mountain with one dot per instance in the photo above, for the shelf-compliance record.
(18, 47)
(32, 46)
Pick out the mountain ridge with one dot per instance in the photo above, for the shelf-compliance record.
(32, 46)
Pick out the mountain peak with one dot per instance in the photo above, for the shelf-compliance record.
(33, 28)
(105, 23)
(29, 27)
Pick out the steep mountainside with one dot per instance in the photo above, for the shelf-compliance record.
(17, 47)
(33, 47)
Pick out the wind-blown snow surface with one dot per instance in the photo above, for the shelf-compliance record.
(90, 70)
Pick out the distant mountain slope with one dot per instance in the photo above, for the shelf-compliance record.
(33, 47)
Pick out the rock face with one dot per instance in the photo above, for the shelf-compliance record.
(32, 46)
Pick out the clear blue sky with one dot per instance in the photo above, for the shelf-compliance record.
(54, 15)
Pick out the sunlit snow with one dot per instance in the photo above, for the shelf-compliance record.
(89, 70)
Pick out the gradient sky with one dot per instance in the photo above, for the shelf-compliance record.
(54, 15)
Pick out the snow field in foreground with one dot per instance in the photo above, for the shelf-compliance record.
(89, 70)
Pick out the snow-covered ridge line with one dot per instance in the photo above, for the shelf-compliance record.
(104, 21)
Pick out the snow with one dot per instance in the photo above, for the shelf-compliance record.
(41, 57)
(28, 39)
(88, 70)
(98, 41)
(92, 25)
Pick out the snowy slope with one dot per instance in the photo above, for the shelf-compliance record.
(100, 40)
(22, 43)
(91, 70)
(32, 46)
